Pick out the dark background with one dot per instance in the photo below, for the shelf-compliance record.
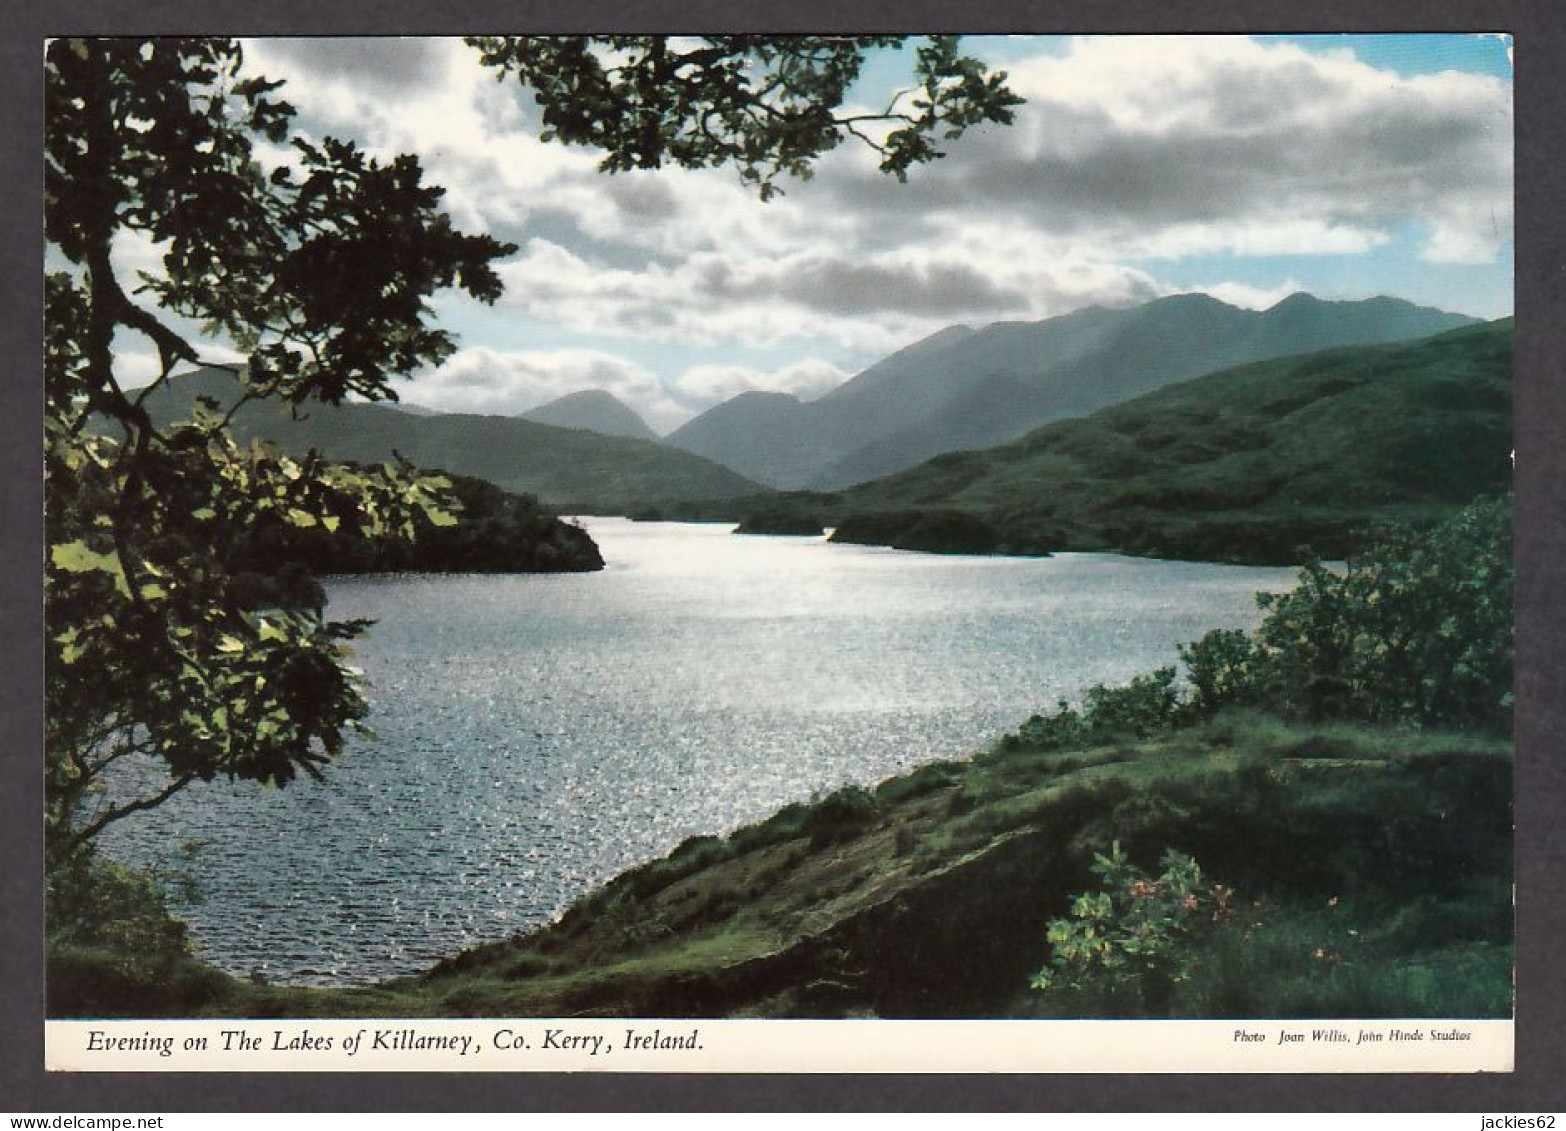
(1537, 1085)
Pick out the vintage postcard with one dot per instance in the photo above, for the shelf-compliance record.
(779, 553)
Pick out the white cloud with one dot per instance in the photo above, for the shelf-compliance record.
(1129, 149)
(1249, 297)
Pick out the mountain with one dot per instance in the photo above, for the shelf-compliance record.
(774, 433)
(962, 389)
(1244, 464)
(561, 466)
(592, 410)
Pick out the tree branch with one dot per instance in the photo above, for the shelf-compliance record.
(82, 836)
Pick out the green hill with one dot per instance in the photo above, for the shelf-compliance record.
(564, 467)
(1247, 464)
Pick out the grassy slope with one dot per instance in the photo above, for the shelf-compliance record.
(561, 466)
(1246, 463)
(1388, 853)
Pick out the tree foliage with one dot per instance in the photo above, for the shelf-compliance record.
(318, 267)
(1417, 631)
(767, 105)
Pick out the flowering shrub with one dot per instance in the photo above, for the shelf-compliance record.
(1135, 931)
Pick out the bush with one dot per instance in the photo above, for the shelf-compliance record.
(113, 948)
(841, 815)
(1146, 706)
(1418, 631)
(1220, 667)
(1136, 932)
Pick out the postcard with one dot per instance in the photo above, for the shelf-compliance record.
(804, 553)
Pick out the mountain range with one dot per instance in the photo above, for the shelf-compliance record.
(565, 467)
(1246, 464)
(962, 389)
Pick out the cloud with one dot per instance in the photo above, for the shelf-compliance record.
(506, 383)
(1130, 151)
(1247, 296)
(867, 306)
(499, 383)
(1154, 147)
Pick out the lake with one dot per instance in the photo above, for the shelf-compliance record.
(537, 734)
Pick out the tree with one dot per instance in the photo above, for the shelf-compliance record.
(317, 266)
(768, 105)
(319, 271)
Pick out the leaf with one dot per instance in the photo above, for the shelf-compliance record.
(78, 557)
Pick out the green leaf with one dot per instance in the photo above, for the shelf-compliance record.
(78, 557)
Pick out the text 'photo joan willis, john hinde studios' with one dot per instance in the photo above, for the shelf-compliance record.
(819, 553)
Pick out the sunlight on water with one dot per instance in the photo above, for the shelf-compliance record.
(538, 734)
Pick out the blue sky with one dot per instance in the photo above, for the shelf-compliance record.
(1346, 166)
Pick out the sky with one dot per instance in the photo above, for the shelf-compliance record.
(1245, 167)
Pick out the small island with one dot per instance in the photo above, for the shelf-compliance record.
(780, 523)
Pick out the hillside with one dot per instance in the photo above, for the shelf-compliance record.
(560, 466)
(962, 389)
(1244, 464)
(592, 410)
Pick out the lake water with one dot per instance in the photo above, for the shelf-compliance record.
(538, 734)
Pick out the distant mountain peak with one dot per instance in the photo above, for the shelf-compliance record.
(592, 410)
(1298, 298)
(1187, 299)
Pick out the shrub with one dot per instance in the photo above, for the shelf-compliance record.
(1136, 932)
(1417, 631)
(1143, 707)
(840, 815)
(1220, 667)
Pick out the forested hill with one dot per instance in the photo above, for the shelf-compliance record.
(1247, 464)
(496, 532)
(561, 466)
